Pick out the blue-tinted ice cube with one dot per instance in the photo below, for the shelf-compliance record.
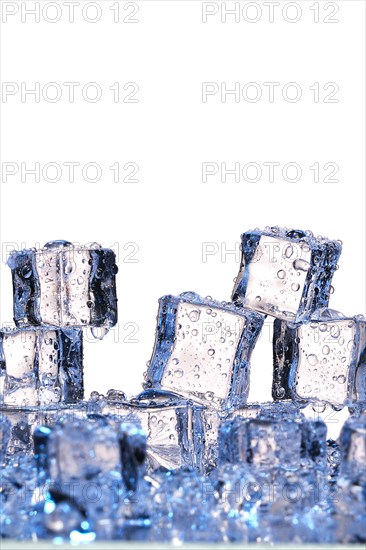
(322, 360)
(183, 509)
(40, 366)
(64, 285)
(266, 442)
(82, 449)
(5, 427)
(24, 420)
(353, 447)
(268, 504)
(202, 349)
(285, 273)
(173, 427)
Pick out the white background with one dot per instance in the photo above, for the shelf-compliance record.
(170, 213)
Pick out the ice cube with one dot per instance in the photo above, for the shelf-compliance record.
(5, 427)
(322, 360)
(266, 506)
(183, 509)
(353, 447)
(41, 366)
(266, 442)
(202, 349)
(79, 450)
(24, 420)
(172, 424)
(285, 273)
(64, 285)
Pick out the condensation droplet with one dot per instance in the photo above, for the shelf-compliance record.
(178, 373)
(312, 359)
(209, 395)
(281, 274)
(175, 361)
(334, 331)
(194, 315)
(341, 379)
(295, 287)
(194, 332)
(211, 351)
(326, 350)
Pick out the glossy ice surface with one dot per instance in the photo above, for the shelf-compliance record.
(285, 273)
(273, 438)
(173, 426)
(41, 366)
(64, 285)
(202, 349)
(323, 359)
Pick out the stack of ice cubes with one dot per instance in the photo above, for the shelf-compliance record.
(188, 459)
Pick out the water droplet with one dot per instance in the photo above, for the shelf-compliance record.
(323, 327)
(194, 315)
(280, 392)
(312, 359)
(175, 361)
(258, 298)
(295, 287)
(209, 395)
(153, 419)
(326, 350)
(288, 252)
(194, 332)
(350, 344)
(211, 351)
(301, 265)
(334, 331)
(341, 340)
(196, 368)
(99, 332)
(56, 244)
(307, 388)
(26, 271)
(331, 289)
(341, 379)
(80, 280)
(68, 268)
(178, 373)
(209, 311)
(281, 274)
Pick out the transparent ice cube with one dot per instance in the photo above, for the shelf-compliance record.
(322, 360)
(266, 442)
(79, 450)
(24, 420)
(352, 443)
(183, 509)
(172, 424)
(202, 349)
(41, 366)
(285, 273)
(64, 285)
